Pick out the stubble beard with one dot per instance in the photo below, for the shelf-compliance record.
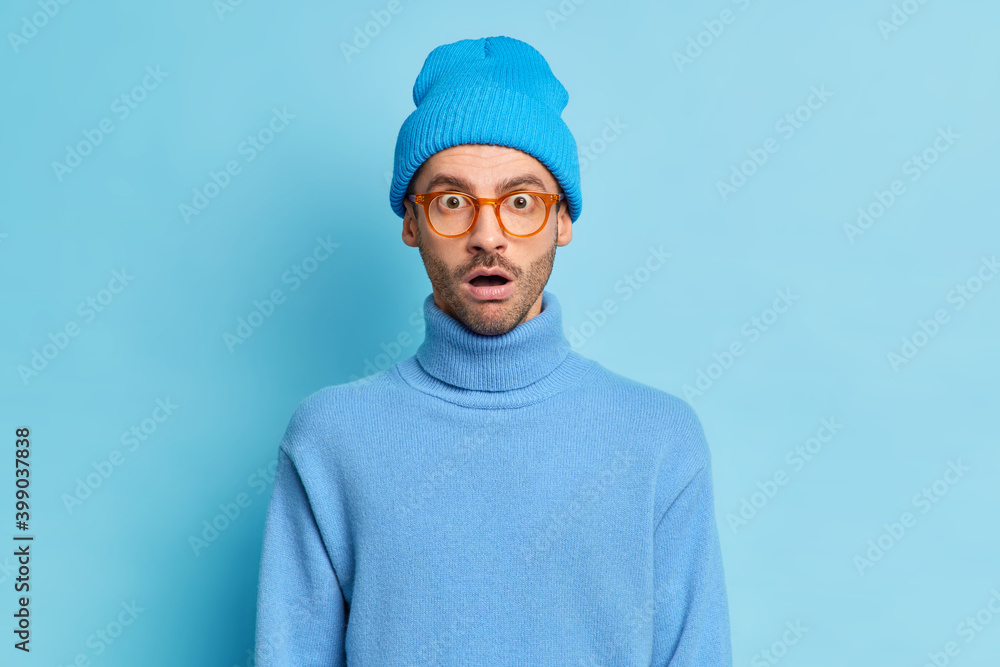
(495, 318)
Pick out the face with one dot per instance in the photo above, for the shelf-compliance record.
(486, 171)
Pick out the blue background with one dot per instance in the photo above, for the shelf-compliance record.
(680, 127)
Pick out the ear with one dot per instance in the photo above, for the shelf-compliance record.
(409, 224)
(564, 224)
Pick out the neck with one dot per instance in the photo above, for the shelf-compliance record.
(530, 362)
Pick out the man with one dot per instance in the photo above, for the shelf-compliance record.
(496, 499)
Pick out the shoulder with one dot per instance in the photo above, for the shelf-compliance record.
(664, 416)
(665, 423)
(330, 414)
(646, 402)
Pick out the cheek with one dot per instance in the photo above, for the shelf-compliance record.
(445, 258)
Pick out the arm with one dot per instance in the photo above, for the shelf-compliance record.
(691, 620)
(301, 613)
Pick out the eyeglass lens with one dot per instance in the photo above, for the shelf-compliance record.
(520, 212)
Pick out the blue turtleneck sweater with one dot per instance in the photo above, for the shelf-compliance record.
(492, 500)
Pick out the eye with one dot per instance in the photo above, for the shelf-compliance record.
(523, 203)
(451, 202)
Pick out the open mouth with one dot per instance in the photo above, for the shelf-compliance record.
(488, 281)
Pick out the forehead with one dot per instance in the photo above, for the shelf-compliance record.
(484, 166)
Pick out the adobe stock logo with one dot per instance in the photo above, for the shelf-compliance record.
(438, 477)
(250, 148)
(562, 13)
(87, 310)
(105, 468)
(969, 629)
(105, 636)
(628, 285)
(122, 106)
(714, 27)
(779, 649)
(787, 125)
(587, 153)
(223, 7)
(963, 293)
(899, 17)
(796, 458)
(38, 20)
(392, 349)
(381, 18)
(563, 521)
(230, 512)
(295, 275)
(915, 168)
(753, 329)
(924, 500)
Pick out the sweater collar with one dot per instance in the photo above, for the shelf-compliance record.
(458, 356)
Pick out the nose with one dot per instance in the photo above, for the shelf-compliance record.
(486, 234)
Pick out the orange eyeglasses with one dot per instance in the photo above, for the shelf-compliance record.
(452, 214)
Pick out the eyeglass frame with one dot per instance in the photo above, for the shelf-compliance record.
(426, 198)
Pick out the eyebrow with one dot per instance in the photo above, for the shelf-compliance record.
(506, 185)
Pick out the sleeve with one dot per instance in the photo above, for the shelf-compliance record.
(691, 617)
(301, 612)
